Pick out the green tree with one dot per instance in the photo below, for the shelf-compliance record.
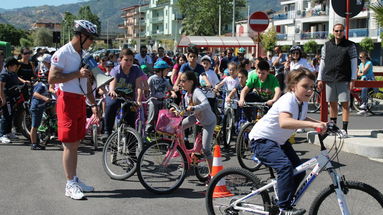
(10, 34)
(201, 17)
(67, 27)
(310, 47)
(367, 44)
(269, 39)
(24, 42)
(285, 48)
(377, 7)
(43, 37)
(86, 13)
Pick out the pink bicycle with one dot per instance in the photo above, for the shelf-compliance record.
(162, 166)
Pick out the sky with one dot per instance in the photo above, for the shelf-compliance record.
(12, 4)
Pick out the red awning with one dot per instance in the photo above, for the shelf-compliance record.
(204, 41)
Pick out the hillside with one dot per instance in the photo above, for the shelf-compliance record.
(107, 10)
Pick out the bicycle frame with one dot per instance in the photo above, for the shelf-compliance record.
(188, 152)
(317, 164)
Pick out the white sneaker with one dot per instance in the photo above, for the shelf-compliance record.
(362, 112)
(5, 139)
(83, 186)
(300, 130)
(344, 133)
(73, 190)
(12, 136)
(363, 106)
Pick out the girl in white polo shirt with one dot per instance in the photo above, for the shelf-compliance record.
(269, 136)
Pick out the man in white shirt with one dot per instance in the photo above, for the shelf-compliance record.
(72, 78)
(143, 58)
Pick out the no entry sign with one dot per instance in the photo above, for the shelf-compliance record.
(259, 21)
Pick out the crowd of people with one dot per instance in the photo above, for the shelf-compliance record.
(284, 82)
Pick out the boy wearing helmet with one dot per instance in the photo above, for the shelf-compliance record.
(73, 84)
(158, 86)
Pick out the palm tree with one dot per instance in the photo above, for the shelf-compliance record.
(377, 7)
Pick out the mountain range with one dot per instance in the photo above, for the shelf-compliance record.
(105, 9)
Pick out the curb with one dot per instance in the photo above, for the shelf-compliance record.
(367, 143)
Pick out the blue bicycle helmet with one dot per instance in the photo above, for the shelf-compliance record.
(161, 65)
(242, 50)
(296, 48)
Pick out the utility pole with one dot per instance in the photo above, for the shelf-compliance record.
(233, 28)
(219, 19)
(107, 33)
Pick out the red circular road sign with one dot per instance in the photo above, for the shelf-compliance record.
(259, 21)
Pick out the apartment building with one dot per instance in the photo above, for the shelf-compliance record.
(163, 24)
(134, 26)
(304, 20)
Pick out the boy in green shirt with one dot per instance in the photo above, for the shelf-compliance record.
(264, 87)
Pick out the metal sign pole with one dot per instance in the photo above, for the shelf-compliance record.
(347, 18)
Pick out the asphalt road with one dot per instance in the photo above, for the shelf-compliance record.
(32, 182)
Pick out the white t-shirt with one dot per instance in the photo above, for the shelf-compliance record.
(213, 79)
(147, 60)
(69, 60)
(230, 83)
(301, 63)
(268, 126)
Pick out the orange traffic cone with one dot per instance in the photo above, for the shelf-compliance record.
(220, 189)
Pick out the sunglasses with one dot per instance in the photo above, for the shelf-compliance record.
(26, 53)
(183, 80)
(361, 57)
(294, 52)
(337, 31)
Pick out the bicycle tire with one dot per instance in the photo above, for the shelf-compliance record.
(359, 205)
(243, 151)
(26, 124)
(121, 168)
(95, 137)
(238, 182)
(314, 103)
(374, 106)
(227, 127)
(166, 180)
(201, 171)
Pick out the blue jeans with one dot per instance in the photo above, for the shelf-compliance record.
(112, 106)
(283, 159)
(364, 93)
(6, 119)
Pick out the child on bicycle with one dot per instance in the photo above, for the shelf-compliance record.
(229, 81)
(197, 102)
(40, 98)
(158, 86)
(269, 136)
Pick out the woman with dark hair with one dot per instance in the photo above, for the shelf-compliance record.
(176, 68)
(197, 103)
(297, 59)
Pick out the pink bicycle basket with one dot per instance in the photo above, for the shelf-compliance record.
(167, 122)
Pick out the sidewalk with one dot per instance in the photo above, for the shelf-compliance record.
(367, 143)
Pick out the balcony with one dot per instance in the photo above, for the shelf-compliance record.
(158, 32)
(161, 3)
(122, 26)
(157, 19)
(313, 13)
(314, 35)
(359, 32)
(281, 37)
(283, 16)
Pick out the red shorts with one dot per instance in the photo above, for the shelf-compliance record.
(71, 116)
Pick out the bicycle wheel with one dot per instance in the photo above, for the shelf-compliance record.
(243, 150)
(201, 170)
(26, 124)
(120, 157)
(374, 105)
(156, 174)
(228, 120)
(95, 137)
(361, 199)
(314, 103)
(230, 185)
